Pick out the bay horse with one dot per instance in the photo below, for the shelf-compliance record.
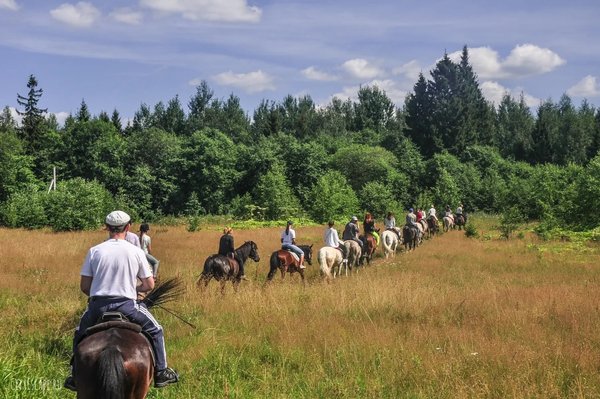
(330, 259)
(433, 226)
(370, 247)
(286, 262)
(389, 239)
(223, 268)
(114, 360)
(460, 221)
(411, 236)
(354, 253)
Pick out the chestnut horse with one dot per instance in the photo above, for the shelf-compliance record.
(370, 247)
(286, 262)
(433, 226)
(115, 360)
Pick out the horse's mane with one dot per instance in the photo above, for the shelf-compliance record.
(165, 291)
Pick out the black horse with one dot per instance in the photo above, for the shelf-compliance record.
(410, 235)
(114, 360)
(223, 268)
(283, 260)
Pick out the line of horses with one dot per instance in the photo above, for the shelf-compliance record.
(331, 261)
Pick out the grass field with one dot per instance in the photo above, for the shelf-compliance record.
(457, 318)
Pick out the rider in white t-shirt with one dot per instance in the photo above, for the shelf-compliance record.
(288, 241)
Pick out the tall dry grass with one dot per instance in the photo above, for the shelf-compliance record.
(457, 318)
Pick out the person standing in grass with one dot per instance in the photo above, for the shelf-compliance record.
(146, 242)
(109, 277)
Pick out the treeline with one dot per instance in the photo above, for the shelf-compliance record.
(296, 159)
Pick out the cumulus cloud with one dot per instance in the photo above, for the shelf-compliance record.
(209, 10)
(361, 68)
(313, 73)
(60, 116)
(80, 15)
(390, 87)
(127, 16)
(586, 87)
(9, 4)
(251, 82)
(523, 60)
(410, 70)
(494, 91)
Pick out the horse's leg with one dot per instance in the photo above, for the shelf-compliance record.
(223, 281)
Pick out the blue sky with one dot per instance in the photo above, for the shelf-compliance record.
(119, 54)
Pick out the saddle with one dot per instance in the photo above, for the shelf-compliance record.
(117, 320)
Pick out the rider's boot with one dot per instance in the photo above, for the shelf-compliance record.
(165, 377)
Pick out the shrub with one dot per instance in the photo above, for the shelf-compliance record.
(78, 205)
(471, 231)
(25, 209)
(510, 221)
(332, 198)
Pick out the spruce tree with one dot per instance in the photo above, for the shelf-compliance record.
(32, 125)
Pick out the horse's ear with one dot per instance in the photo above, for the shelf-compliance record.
(311, 245)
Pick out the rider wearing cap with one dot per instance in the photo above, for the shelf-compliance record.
(109, 277)
(352, 232)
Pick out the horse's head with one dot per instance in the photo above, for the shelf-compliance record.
(307, 249)
(254, 252)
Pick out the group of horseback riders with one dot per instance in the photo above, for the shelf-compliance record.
(352, 230)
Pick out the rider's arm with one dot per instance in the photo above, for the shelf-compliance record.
(147, 284)
(85, 284)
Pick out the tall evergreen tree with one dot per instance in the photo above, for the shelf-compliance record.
(418, 110)
(546, 133)
(83, 114)
(32, 125)
(514, 126)
(116, 120)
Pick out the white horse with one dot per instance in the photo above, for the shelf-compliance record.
(390, 242)
(329, 259)
(354, 254)
(448, 223)
(423, 223)
(420, 234)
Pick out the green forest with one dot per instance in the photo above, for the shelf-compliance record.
(295, 159)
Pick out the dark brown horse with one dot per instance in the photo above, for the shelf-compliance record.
(223, 268)
(433, 226)
(410, 236)
(370, 247)
(460, 221)
(286, 262)
(114, 360)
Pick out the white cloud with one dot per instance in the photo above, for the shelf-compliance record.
(209, 10)
(586, 87)
(127, 16)
(251, 82)
(313, 73)
(9, 4)
(80, 15)
(493, 91)
(61, 117)
(18, 118)
(523, 60)
(395, 93)
(361, 68)
(411, 70)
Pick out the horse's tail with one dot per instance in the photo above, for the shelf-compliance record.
(386, 239)
(273, 265)
(322, 258)
(111, 374)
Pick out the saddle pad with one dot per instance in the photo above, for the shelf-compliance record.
(293, 254)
